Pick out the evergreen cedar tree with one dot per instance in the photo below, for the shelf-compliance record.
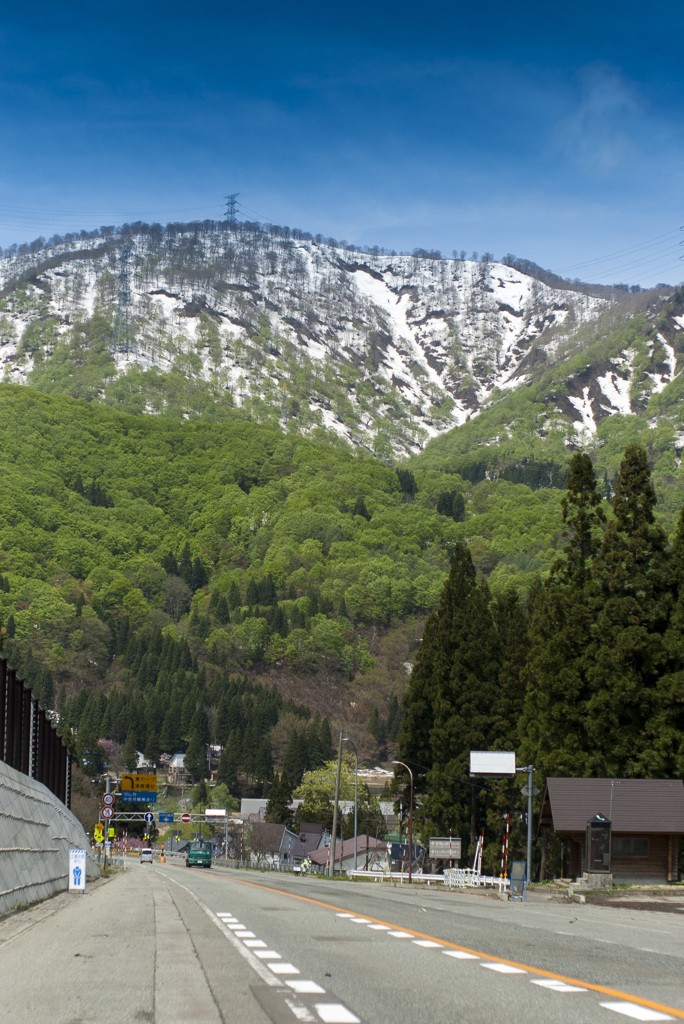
(587, 680)
(280, 798)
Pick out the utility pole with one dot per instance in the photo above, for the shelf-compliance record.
(529, 791)
(356, 798)
(333, 837)
(530, 797)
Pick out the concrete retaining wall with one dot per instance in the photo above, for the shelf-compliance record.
(36, 833)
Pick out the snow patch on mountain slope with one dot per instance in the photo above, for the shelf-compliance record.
(586, 424)
(616, 389)
(431, 339)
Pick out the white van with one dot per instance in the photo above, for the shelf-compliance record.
(146, 855)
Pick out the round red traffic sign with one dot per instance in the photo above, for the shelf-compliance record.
(185, 817)
(107, 812)
(108, 799)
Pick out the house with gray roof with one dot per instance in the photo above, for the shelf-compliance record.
(646, 821)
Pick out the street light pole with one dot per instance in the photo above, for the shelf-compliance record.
(410, 817)
(356, 798)
(333, 837)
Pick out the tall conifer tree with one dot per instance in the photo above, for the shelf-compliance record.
(554, 731)
(633, 601)
(450, 704)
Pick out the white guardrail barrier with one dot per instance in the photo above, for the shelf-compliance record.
(466, 878)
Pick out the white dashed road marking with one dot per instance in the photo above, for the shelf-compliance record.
(426, 943)
(401, 935)
(636, 1012)
(267, 954)
(335, 1013)
(459, 954)
(305, 987)
(283, 968)
(503, 968)
(556, 986)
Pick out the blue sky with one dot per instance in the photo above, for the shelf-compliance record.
(555, 132)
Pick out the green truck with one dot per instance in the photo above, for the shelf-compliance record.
(199, 853)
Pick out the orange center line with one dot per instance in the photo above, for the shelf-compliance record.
(604, 990)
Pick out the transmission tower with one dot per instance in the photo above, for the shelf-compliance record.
(123, 310)
(231, 207)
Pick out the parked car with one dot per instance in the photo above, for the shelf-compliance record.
(146, 855)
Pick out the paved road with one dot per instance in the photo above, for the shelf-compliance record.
(165, 944)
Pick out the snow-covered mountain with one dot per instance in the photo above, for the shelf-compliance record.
(386, 350)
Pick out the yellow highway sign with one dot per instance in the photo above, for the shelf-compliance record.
(139, 783)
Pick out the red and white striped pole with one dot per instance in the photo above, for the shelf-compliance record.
(504, 848)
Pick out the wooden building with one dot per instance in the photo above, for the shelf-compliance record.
(647, 818)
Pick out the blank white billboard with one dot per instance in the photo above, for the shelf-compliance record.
(492, 762)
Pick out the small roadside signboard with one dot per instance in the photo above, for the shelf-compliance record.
(165, 816)
(108, 799)
(518, 889)
(98, 833)
(445, 848)
(129, 796)
(139, 783)
(77, 870)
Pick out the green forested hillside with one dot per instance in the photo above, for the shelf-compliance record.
(297, 561)
(159, 577)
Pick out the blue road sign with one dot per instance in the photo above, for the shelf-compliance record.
(149, 817)
(164, 816)
(130, 796)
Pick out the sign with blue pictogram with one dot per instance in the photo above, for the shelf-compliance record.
(77, 870)
(165, 816)
(130, 796)
(149, 817)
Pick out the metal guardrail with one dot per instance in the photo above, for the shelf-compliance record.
(28, 740)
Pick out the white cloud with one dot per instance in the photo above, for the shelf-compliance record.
(602, 133)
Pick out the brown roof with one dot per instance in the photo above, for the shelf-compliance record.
(321, 856)
(267, 837)
(637, 805)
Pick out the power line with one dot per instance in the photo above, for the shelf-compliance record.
(648, 243)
